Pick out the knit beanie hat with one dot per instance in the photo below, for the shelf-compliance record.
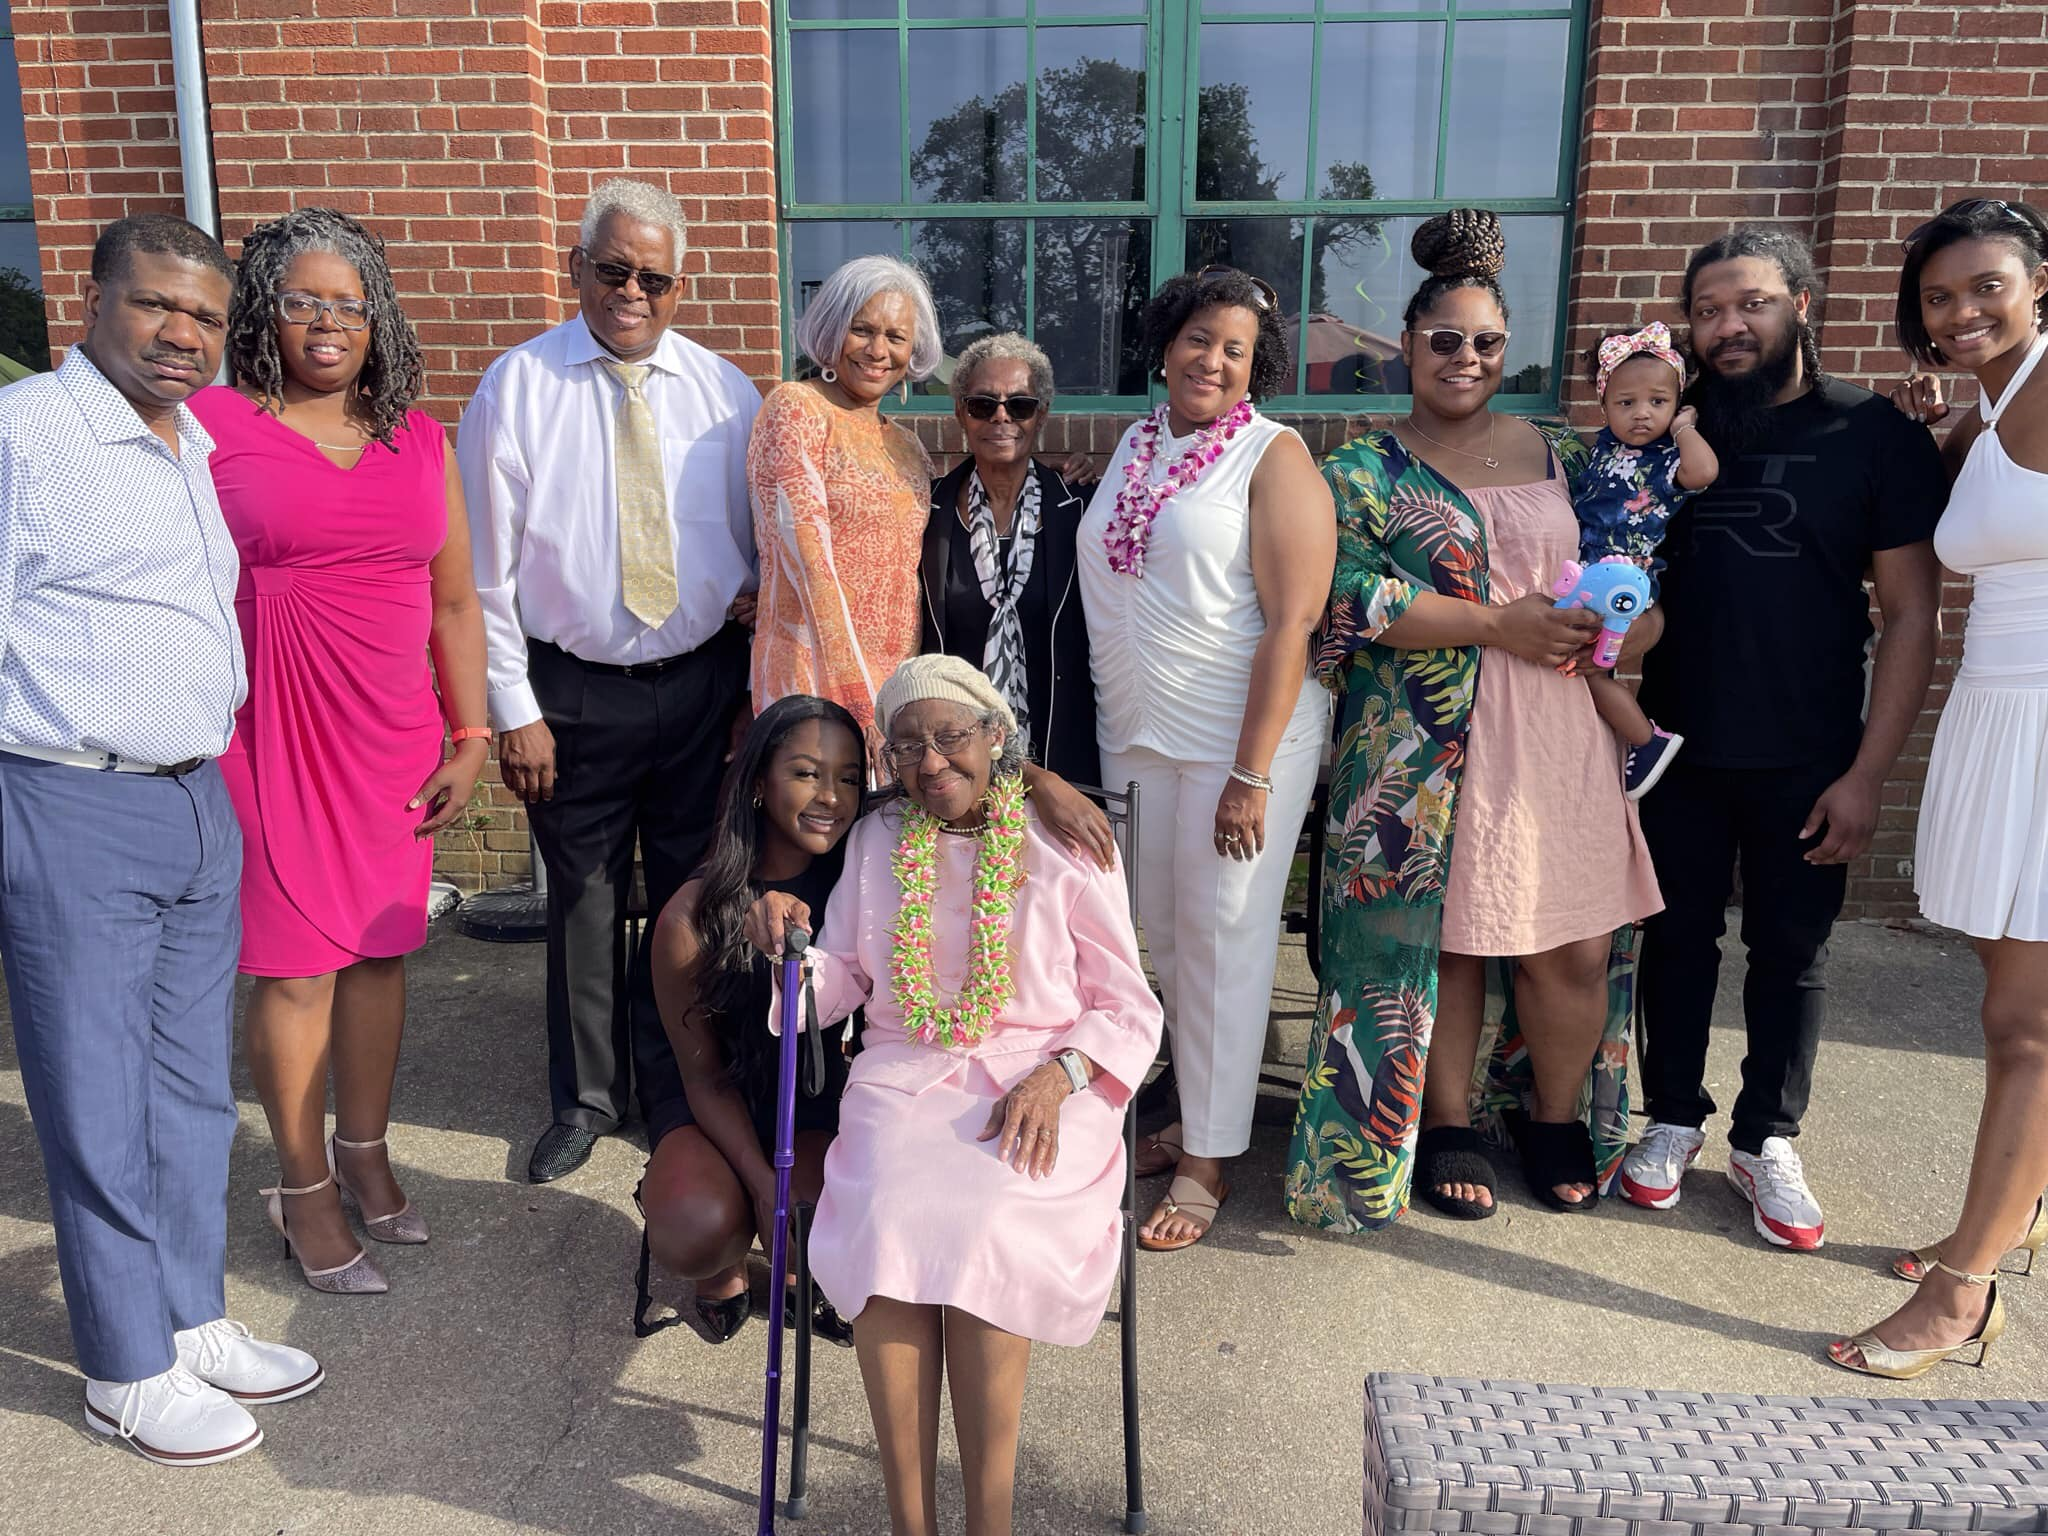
(943, 677)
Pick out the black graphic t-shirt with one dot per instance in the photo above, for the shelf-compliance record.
(1767, 625)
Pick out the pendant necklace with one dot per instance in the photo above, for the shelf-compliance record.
(1485, 458)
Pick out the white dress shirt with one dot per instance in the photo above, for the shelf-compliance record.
(535, 450)
(117, 577)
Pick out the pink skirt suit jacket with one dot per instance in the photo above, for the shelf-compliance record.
(914, 1207)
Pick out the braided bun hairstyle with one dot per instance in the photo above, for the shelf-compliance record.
(1464, 248)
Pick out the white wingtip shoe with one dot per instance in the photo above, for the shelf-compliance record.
(222, 1354)
(174, 1419)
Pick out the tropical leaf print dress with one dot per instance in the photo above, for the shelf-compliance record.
(1402, 721)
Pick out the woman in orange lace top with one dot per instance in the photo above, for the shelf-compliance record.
(841, 496)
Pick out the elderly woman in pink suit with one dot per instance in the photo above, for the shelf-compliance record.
(970, 1200)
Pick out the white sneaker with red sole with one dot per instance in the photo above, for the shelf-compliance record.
(1773, 1181)
(1654, 1167)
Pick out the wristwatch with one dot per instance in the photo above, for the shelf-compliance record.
(1075, 1067)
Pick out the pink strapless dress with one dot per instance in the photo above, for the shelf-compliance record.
(342, 724)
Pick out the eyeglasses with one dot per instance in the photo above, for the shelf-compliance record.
(1969, 208)
(613, 275)
(1448, 341)
(1268, 298)
(908, 754)
(303, 309)
(984, 407)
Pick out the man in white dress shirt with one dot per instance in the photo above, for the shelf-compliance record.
(120, 672)
(604, 464)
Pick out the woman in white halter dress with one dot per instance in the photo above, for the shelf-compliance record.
(1974, 296)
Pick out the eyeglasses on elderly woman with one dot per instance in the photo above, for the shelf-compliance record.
(947, 743)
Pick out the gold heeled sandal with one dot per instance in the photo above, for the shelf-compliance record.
(1880, 1359)
(1915, 1262)
(405, 1225)
(358, 1277)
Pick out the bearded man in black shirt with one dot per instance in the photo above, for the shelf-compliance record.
(1765, 665)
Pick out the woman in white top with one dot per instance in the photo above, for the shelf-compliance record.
(1205, 561)
(1974, 295)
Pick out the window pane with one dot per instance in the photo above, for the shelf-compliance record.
(13, 144)
(842, 10)
(1268, 248)
(1093, 278)
(976, 269)
(1377, 135)
(1253, 128)
(843, 110)
(1090, 8)
(816, 250)
(1506, 117)
(1256, 7)
(967, 115)
(963, 10)
(1362, 280)
(1091, 114)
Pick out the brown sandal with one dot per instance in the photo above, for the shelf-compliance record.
(1160, 1151)
(1187, 1196)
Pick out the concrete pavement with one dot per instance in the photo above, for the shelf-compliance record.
(498, 1387)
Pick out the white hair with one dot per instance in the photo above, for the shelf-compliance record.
(821, 329)
(1004, 347)
(641, 201)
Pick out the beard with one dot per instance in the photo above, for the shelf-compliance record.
(1735, 410)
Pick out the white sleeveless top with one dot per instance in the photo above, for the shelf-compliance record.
(1172, 650)
(1995, 531)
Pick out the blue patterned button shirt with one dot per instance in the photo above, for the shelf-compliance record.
(117, 577)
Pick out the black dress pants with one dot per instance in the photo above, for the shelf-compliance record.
(637, 758)
(1701, 823)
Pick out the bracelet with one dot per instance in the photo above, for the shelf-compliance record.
(1069, 1062)
(1255, 780)
(464, 733)
(1690, 426)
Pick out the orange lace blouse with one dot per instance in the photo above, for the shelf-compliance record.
(840, 501)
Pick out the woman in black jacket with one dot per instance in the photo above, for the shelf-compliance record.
(998, 578)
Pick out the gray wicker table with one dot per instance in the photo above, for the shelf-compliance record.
(1444, 1454)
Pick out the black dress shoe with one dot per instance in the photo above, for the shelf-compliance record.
(724, 1318)
(562, 1149)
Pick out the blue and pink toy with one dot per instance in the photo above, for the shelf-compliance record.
(1616, 588)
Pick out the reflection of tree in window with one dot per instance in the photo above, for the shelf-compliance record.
(24, 332)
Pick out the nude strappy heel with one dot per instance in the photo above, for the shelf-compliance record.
(358, 1277)
(1914, 1263)
(405, 1225)
(1880, 1359)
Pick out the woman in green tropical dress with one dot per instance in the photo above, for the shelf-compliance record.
(1536, 899)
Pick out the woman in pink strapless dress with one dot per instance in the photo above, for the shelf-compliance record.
(347, 514)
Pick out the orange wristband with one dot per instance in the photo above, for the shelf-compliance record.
(464, 733)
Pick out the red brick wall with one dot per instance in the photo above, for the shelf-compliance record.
(1850, 122)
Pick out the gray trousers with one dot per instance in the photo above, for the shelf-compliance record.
(120, 927)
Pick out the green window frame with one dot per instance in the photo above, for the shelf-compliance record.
(1175, 31)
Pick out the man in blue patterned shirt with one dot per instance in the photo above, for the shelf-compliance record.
(120, 858)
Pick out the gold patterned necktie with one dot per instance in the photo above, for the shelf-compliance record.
(647, 554)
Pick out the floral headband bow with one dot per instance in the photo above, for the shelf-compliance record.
(1654, 338)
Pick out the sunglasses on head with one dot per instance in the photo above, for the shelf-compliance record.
(613, 275)
(1969, 208)
(1448, 341)
(1267, 297)
(984, 407)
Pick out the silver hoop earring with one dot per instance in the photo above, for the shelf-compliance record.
(829, 375)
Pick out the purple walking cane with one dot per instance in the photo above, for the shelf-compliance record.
(795, 977)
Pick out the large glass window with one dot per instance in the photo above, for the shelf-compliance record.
(24, 334)
(1049, 162)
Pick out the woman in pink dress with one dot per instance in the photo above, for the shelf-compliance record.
(347, 513)
(970, 1200)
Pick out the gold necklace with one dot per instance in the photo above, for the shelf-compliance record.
(1485, 458)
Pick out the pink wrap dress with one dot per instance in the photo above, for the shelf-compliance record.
(914, 1207)
(342, 723)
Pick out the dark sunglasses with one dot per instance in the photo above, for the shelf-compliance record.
(984, 407)
(1448, 341)
(612, 275)
(1969, 208)
(1268, 297)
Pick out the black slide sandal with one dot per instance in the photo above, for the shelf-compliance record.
(1454, 1154)
(1555, 1154)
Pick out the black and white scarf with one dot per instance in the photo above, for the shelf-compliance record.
(1003, 658)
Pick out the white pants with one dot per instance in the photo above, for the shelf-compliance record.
(1212, 925)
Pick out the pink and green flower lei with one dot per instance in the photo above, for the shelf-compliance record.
(998, 872)
(1138, 503)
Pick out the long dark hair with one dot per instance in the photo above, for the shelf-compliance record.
(1976, 218)
(728, 872)
(393, 374)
